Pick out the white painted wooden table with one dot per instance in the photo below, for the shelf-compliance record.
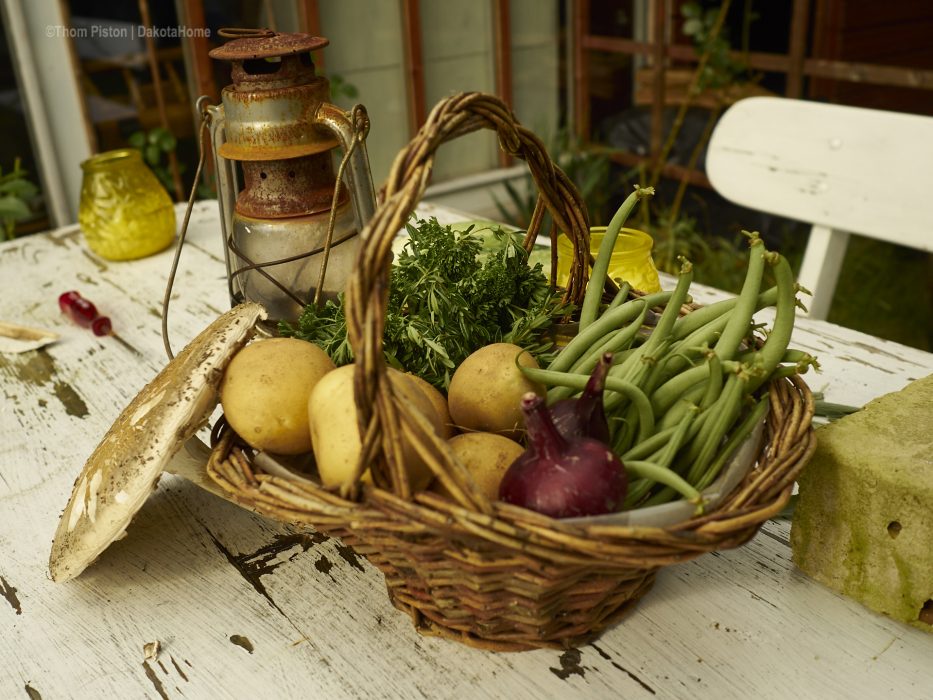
(245, 608)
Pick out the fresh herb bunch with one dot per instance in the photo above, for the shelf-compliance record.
(449, 297)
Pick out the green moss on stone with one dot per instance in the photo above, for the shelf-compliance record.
(863, 524)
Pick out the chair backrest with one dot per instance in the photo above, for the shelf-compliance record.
(842, 169)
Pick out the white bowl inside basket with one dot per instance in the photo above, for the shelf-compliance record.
(666, 514)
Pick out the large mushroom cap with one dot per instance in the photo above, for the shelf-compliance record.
(126, 465)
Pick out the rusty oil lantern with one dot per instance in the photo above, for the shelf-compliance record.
(291, 221)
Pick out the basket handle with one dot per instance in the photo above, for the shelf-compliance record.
(383, 421)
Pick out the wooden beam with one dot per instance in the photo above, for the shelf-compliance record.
(502, 32)
(160, 100)
(670, 170)
(502, 29)
(845, 71)
(196, 46)
(896, 76)
(414, 64)
(309, 18)
(799, 24)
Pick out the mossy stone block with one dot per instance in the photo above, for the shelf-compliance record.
(863, 524)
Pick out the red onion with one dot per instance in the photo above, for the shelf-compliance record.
(559, 477)
(584, 416)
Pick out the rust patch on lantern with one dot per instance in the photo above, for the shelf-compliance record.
(271, 129)
(293, 187)
(265, 44)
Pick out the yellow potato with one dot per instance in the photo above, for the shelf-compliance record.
(335, 434)
(485, 392)
(439, 402)
(486, 456)
(265, 390)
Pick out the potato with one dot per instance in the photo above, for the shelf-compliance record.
(439, 402)
(487, 456)
(264, 393)
(335, 434)
(485, 392)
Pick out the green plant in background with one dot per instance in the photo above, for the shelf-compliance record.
(16, 194)
(717, 259)
(720, 69)
(341, 88)
(155, 146)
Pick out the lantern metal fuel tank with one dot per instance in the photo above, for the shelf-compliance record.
(277, 124)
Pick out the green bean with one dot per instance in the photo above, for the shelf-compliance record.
(737, 437)
(614, 342)
(799, 358)
(646, 448)
(775, 346)
(737, 327)
(714, 385)
(610, 320)
(663, 475)
(669, 451)
(594, 289)
(706, 335)
(725, 411)
(695, 320)
(668, 393)
(578, 382)
(621, 296)
(708, 332)
(673, 415)
(674, 388)
(625, 436)
(662, 331)
(683, 432)
(634, 368)
(637, 490)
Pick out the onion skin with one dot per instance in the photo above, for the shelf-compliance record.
(585, 416)
(562, 478)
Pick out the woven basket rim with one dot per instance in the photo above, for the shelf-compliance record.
(763, 491)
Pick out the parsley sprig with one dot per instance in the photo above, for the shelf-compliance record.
(449, 296)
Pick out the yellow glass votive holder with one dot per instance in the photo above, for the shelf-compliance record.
(630, 262)
(125, 213)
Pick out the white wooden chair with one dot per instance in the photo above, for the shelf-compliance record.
(842, 169)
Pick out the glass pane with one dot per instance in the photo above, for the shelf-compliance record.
(458, 57)
(120, 90)
(535, 65)
(366, 53)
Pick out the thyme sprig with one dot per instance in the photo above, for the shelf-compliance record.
(449, 295)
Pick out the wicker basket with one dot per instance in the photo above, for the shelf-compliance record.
(488, 574)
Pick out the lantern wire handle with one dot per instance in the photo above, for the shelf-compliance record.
(205, 121)
(358, 135)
